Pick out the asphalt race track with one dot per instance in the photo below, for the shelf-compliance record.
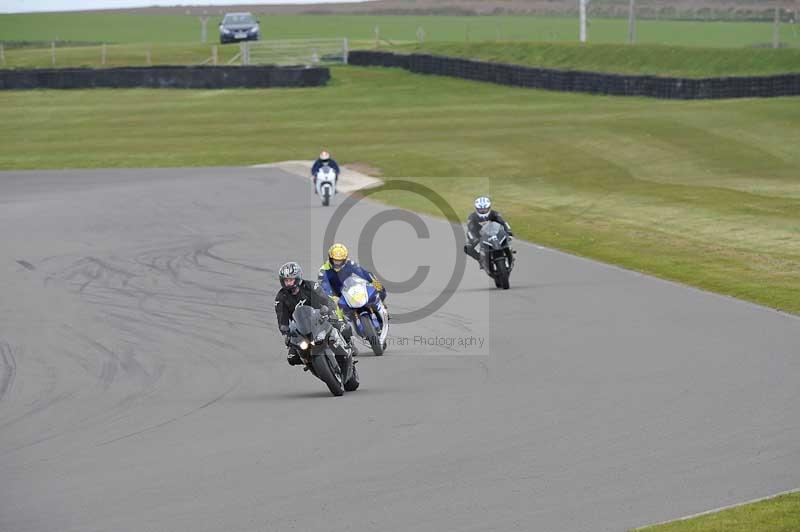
(144, 387)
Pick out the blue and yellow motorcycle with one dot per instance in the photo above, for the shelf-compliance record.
(362, 306)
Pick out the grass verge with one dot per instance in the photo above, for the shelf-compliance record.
(706, 192)
(654, 60)
(643, 59)
(779, 514)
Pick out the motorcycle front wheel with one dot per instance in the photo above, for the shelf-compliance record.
(502, 274)
(372, 335)
(329, 372)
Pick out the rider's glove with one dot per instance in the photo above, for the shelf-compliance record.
(377, 284)
(284, 329)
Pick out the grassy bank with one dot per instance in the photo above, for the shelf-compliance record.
(641, 59)
(780, 514)
(644, 59)
(707, 193)
(129, 28)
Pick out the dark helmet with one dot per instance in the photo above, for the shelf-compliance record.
(293, 271)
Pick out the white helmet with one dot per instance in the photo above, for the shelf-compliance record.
(324, 155)
(483, 206)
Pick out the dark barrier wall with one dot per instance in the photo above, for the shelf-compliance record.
(591, 82)
(179, 77)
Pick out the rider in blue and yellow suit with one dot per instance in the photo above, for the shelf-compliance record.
(337, 268)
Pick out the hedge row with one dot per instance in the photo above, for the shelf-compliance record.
(590, 82)
(183, 77)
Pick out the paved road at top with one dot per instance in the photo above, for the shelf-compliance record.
(143, 385)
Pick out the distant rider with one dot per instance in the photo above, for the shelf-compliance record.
(482, 215)
(324, 158)
(295, 290)
(338, 268)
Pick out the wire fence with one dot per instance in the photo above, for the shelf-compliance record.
(307, 52)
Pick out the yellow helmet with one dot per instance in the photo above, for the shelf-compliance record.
(337, 255)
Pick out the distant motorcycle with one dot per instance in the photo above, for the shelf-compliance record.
(362, 305)
(497, 256)
(310, 333)
(326, 184)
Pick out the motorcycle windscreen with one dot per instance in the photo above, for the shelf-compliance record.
(493, 234)
(306, 319)
(354, 291)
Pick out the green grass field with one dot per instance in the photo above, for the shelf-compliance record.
(129, 28)
(704, 192)
(779, 514)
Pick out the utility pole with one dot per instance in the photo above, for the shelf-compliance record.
(776, 29)
(204, 28)
(632, 22)
(582, 9)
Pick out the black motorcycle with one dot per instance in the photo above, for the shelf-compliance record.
(497, 257)
(311, 334)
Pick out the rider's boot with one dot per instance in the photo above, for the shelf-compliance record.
(294, 359)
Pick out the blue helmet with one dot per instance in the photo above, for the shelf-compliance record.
(483, 206)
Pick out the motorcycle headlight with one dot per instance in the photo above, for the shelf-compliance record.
(303, 345)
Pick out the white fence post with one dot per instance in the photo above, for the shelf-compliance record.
(214, 55)
(377, 35)
(2, 55)
(582, 9)
(776, 29)
(420, 34)
(53, 52)
(103, 54)
(346, 51)
(632, 22)
(203, 28)
(244, 49)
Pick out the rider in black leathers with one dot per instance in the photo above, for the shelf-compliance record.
(482, 215)
(295, 290)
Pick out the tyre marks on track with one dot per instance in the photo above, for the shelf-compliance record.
(9, 369)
